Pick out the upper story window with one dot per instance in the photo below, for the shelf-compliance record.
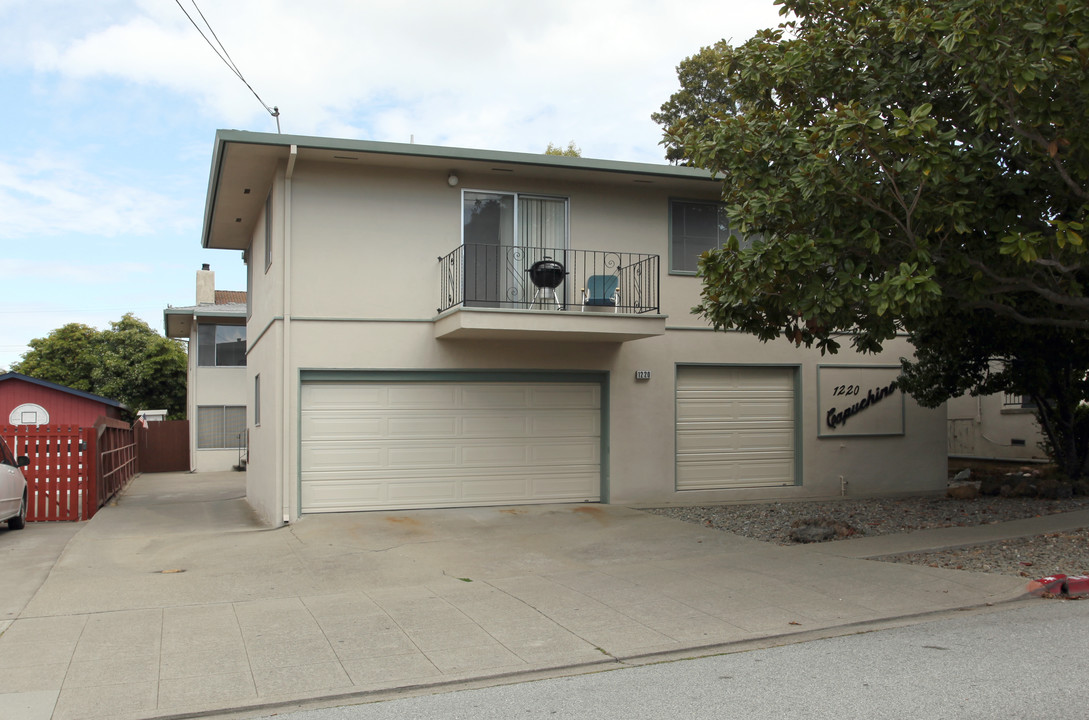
(268, 231)
(512, 219)
(503, 233)
(221, 345)
(695, 227)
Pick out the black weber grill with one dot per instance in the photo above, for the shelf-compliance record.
(546, 275)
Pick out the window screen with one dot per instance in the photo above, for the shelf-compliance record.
(221, 345)
(220, 426)
(695, 227)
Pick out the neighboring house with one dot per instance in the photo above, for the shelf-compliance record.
(994, 427)
(216, 378)
(28, 401)
(402, 355)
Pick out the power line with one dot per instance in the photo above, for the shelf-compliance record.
(222, 54)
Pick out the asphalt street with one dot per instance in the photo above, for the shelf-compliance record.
(1028, 660)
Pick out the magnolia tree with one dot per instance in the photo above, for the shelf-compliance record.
(130, 363)
(904, 166)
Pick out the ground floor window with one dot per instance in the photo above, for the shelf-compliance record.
(220, 426)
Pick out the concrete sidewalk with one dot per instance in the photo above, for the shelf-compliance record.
(176, 600)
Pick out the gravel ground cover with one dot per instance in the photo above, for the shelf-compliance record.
(1028, 557)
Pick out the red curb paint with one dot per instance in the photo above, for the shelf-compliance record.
(1077, 586)
(1052, 585)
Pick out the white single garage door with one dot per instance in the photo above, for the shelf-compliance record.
(735, 427)
(378, 445)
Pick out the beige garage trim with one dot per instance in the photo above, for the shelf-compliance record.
(400, 445)
(736, 427)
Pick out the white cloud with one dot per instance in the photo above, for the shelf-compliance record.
(499, 74)
(32, 271)
(47, 194)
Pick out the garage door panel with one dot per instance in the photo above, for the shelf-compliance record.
(409, 457)
(420, 426)
(328, 495)
(741, 473)
(417, 395)
(573, 424)
(488, 397)
(737, 409)
(333, 396)
(326, 458)
(506, 425)
(492, 489)
(567, 397)
(737, 442)
(735, 427)
(403, 493)
(583, 486)
(340, 427)
(565, 453)
(449, 444)
(749, 378)
(493, 454)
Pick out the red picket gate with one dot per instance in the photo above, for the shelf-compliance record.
(73, 471)
(57, 471)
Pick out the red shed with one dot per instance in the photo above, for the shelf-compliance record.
(28, 401)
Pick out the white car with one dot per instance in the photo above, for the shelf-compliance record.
(12, 488)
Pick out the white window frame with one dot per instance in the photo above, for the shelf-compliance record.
(743, 242)
(226, 441)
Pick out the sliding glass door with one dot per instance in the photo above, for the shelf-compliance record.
(503, 234)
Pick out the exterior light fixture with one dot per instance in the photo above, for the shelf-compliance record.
(452, 179)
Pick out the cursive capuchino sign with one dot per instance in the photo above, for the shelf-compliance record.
(859, 400)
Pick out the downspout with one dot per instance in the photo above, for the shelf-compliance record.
(289, 386)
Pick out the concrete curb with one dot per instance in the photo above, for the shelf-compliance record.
(617, 663)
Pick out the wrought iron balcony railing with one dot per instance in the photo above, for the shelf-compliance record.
(493, 276)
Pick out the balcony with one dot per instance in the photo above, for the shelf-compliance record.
(492, 292)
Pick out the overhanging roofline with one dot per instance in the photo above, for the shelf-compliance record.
(453, 154)
(62, 388)
(184, 317)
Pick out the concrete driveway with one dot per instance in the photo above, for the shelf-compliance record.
(176, 600)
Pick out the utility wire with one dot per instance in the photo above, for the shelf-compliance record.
(221, 52)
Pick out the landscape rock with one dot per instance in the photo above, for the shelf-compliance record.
(991, 485)
(1023, 489)
(968, 491)
(812, 534)
(811, 530)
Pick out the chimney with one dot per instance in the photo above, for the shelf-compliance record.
(206, 286)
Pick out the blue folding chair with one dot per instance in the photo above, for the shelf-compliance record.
(601, 291)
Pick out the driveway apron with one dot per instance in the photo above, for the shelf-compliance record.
(175, 599)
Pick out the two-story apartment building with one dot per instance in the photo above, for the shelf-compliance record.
(216, 388)
(436, 327)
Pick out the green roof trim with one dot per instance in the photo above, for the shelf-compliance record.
(411, 150)
(456, 153)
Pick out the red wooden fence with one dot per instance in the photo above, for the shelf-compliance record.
(57, 471)
(115, 447)
(73, 471)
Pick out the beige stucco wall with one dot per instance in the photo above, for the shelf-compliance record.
(362, 248)
(215, 386)
(211, 386)
(982, 427)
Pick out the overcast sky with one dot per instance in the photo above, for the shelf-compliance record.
(110, 107)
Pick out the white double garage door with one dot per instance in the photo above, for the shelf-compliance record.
(448, 443)
(376, 444)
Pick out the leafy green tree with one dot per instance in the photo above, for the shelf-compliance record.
(67, 356)
(130, 363)
(571, 150)
(901, 163)
(704, 92)
(978, 352)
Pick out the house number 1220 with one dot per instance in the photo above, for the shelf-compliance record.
(846, 390)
